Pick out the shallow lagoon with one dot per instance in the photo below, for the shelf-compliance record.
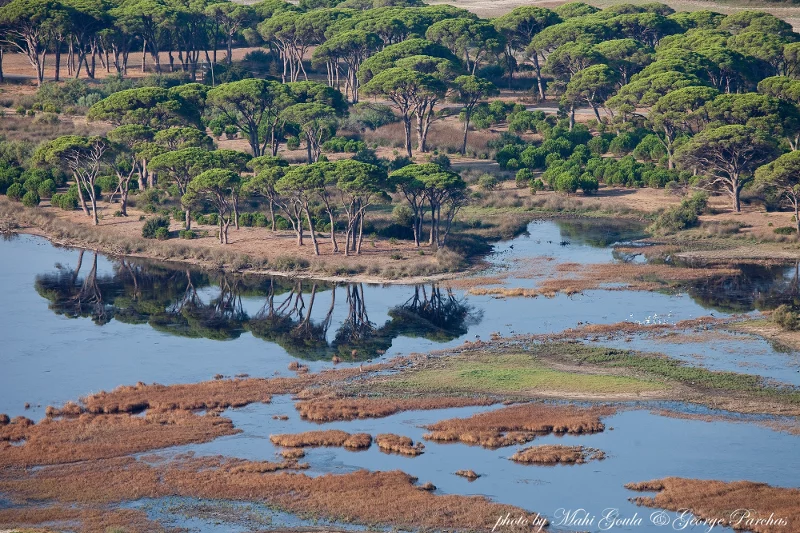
(119, 322)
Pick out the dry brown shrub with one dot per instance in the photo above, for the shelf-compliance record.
(330, 410)
(518, 424)
(550, 454)
(393, 497)
(389, 442)
(95, 437)
(280, 417)
(715, 500)
(328, 437)
(4, 419)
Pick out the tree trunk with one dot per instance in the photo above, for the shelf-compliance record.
(466, 131)
(360, 232)
(187, 219)
(538, 75)
(272, 214)
(81, 198)
(407, 125)
(333, 233)
(313, 233)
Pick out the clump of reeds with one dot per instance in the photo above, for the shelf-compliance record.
(292, 453)
(280, 417)
(504, 292)
(69, 409)
(550, 454)
(389, 442)
(264, 467)
(4, 419)
(518, 424)
(328, 437)
(469, 474)
(428, 486)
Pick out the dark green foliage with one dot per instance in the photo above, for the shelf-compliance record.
(342, 145)
(683, 216)
(15, 192)
(30, 199)
(161, 233)
(153, 225)
(785, 230)
(66, 201)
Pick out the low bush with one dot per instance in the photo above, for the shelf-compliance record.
(162, 233)
(152, 225)
(785, 317)
(186, 234)
(785, 230)
(683, 216)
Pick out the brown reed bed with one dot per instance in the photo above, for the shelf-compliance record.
(336, 409)
(292, 453)
(518, 424)
(394, 497)
(215, 394)
(551, 454)
(391, 443)
(761, 508)
(91, 437)
(87, 519)
(328, 437)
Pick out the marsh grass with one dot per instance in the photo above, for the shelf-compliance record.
(391, 443)
(550, 454)
(514, 373)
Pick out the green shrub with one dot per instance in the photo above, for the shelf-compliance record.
(293, 143)
(47, 188)
(14, 192)
(152, 225)
(683, 216)
(566, 182)
(785, 317)
(589, 184)
(107, 183)
(785, 230)
(162, 233)
(524, 177)
(487, 182)
(30, 199)
(186, 234)
(66, 201)
(537, 185)
(402, 215)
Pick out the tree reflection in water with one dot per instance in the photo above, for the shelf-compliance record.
(177, 301)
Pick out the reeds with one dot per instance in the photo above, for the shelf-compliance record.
(329, 437)
(394, 498)
(469, 474)
(391, 443)
(551, 454)
(518, 424)
(716, 500)
(90, 437)
(330, 410)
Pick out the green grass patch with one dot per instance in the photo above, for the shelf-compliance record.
(515, 373)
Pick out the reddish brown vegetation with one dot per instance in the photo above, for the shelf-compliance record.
(293, 453)
(216, 394)
(389, 442)
(329, 410)
(96, 437)
(551, 454)
(90, 519)
(469, 474)
(330, 437)
(518, 424)
(393, 497)
(717, 500)
(4, 419)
